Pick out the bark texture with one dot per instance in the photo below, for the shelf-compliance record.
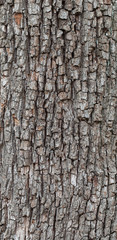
(58, 167)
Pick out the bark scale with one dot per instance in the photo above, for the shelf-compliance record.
(58, 167)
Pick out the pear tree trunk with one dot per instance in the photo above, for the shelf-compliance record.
(58, 120)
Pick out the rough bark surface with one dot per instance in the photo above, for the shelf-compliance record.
(58, 167)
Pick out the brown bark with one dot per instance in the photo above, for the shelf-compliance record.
(58, 169)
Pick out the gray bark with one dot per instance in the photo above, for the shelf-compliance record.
(58, 167)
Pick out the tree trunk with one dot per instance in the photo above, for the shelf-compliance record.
(58, 167)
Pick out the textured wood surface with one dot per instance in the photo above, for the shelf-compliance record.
(58, 145)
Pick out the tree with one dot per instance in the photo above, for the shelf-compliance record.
(58, 119)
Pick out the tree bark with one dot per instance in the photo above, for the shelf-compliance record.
(58, 167)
